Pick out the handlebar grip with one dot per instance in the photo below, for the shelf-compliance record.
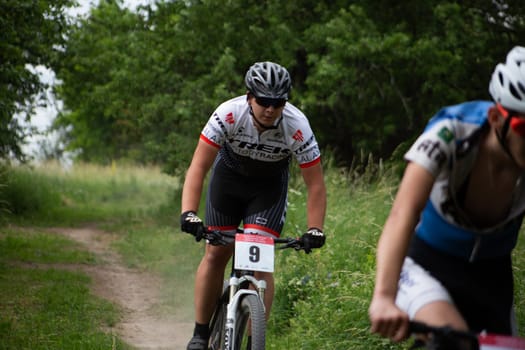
(446, 335)
(215, 237)
(419, 327)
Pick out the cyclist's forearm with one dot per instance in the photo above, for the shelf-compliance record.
(410, 200)
(316, 201)
(200, 165)
(192, 189)
(392, 247)
(316, 206)
(391, 251)
(191, 195)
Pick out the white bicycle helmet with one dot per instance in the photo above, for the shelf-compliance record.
(268, 79)
(507, 85)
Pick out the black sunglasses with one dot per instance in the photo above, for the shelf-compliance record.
(267, 102)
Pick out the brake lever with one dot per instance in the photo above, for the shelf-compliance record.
(294, 243)
(215, 238)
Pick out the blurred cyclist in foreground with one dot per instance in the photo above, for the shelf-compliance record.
(444, 256)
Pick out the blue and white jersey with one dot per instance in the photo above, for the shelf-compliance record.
(248, 152)
(447, 149)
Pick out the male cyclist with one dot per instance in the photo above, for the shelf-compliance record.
(249, 142)
(463, 194)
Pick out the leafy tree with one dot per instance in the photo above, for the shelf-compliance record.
(141, 85)
(30, 33)
(377, 77)
(102, 86)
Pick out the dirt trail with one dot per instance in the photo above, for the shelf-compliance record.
(136, 292)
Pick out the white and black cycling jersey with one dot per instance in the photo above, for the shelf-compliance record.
(249, 181)
(251, 153)
(447, 149)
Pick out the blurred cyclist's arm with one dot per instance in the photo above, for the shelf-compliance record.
(316, 200)
(414, 190)
(202, 160)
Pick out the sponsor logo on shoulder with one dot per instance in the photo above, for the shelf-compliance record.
(433, 151)
(229, 118)
(298, 136)
(446, 134)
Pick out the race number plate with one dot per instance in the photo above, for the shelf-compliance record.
(254, 252)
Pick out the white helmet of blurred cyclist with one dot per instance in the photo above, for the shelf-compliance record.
(507, 85)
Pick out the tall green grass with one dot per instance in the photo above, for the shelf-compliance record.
(321, 299)
(50, 194)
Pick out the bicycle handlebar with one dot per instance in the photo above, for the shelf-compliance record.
(445, 335)
(216, 237)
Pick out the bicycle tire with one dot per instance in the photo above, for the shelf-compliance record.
(250, 319)
(218, 322)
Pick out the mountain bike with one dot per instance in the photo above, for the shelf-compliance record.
(239, 318)
(437, 338)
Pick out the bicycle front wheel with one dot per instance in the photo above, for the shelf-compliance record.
(218, 322)
(251, 322)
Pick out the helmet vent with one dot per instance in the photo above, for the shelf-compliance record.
(500, 76)
(521, 87)
(514, 92)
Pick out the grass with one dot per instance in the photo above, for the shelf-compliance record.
(50, 194)
(43, 307)
(27, 246)
(321, 299)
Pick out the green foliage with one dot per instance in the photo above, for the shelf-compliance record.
(105, 72)
(376, 78)
(519, 283)
(86, 193)
(4, 204)
(30, 31)
(322, 299)
(141, 85)
(38, 247)
(27, 193)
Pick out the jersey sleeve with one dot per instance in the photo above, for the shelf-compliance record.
(434, 147)
(218, 126)
(304, 145)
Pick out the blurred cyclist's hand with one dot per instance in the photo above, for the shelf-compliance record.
(313, 238)
(191, 223)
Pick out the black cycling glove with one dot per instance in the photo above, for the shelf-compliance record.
(191, 223)
(313, 238)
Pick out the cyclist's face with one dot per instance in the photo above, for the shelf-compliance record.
(265, 110)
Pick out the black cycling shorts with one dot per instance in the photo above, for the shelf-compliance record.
(258, 202)
(481, 290)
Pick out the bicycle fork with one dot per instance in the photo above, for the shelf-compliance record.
(236, 294)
